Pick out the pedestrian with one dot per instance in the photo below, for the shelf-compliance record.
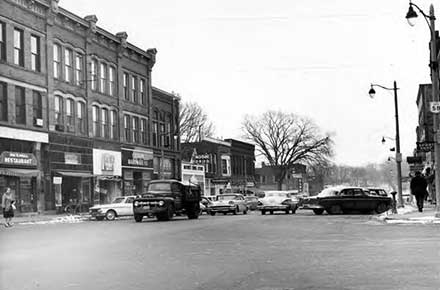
(418, 189)
(430, 178)
(8, 206)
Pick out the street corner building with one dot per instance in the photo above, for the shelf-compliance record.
(80, 122)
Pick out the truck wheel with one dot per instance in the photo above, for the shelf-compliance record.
(318, 211)
(193, 211)
(138, 218)
(167, 215)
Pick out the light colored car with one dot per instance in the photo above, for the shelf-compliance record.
(278, 201)
(231, 202)
(120, 206)
(252, 202)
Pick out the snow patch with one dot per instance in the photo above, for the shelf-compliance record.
(65, 219)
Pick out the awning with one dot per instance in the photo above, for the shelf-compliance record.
(108, 177)
(84, 174)
(19, 172)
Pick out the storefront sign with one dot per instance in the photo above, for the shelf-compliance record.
(57, 180)
(18, 159)
(72, 158)
(107, 162)
(137, 158)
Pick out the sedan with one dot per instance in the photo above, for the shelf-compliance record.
(278, 201)
(228, 203)
(345, 199)
(120, 206)
(252, 202)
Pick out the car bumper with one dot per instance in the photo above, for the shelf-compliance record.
(149, 210)
(274, 207)
(221, 209)
(311, 206)
(95, 214)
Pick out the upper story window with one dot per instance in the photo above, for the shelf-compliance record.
(142, 90)
(68, 65)
(102, 78)
(113, 125)
(226, 165)
(20, 105)
(155, 128)
(134, 91)
(135, 129)
(56, 61)
(80, 114)
(111, 81)
(125, 84)
(144, 131)
(94, 74)
(104, 123)
(58, 110)
(37, 106)
(69, 115)
(2, 41)
(35, 53)
(127, 128)
(79, 68)
(3, 101)
(95, 120)
(18, 47)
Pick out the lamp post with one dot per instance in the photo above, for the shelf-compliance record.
(372, 92)
(433, 64)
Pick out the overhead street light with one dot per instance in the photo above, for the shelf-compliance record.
(372, 93)
(433, 64)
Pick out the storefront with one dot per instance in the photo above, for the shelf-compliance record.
(137, 170)
(107, 171)
(194, 174)
(71, 175)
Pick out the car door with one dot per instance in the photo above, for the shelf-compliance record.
(127, 209)
(362, 200)
(346, 199)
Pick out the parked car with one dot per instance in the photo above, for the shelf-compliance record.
(228, 203)
(251, 202)
(120, 206)
(204, 204)
(345, 199)
(278, 201)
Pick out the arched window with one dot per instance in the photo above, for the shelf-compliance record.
(70, 109)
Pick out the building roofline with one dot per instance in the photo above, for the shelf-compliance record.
(170, 95)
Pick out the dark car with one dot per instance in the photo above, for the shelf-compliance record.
(345, 199)
(252, 202)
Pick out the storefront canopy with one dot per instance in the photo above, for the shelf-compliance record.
(19, 172)
(75, 174)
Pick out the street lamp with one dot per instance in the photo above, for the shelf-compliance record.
(433, 64)
(372, 93)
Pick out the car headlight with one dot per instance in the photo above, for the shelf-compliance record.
(231, 202)
(161, 203)
(136, 203)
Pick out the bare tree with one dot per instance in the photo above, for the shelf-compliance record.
(284, 139)
(194, 123)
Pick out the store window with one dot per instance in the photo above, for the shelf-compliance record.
(104, 123)
(2, 41)
(95, 120)
(68, 65)
(79, 68)
(80, 114)
(58, 110)
(3, 101)
(94, 74)
(37, 107)
(127, 128)
(69, 115)
(20, 105)
(102, 78)
(135, 129)
(114, 125)
(56, 61)
(35, 53)
(111, 81)
(18, 47)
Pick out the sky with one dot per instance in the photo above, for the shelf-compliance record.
(314, 58)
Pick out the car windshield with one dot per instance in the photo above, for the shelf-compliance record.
(118, 200)
(277, 194)
(159, 186)
(328, 192)
(226, 197)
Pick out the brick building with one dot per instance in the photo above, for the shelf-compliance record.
(296, 180)
(77, 112)
(242, 165)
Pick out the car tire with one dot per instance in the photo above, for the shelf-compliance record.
(212, 213)
(225, 213)
(99, 218)
(271, 212)
(294, 210)
(236, 210)
(110, 215)
(287, 211)
(381, 207)
(138, 218)
(318, 211)
(263, 212)
(245, 211)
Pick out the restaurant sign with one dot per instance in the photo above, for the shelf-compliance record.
(137, 158)
(18, 159)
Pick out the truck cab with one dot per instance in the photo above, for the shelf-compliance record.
(164, 198)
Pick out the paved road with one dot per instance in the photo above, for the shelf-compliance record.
(301, 251)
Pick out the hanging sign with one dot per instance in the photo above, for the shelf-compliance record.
(434, 107)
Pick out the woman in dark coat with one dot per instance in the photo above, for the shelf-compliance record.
(418, 189)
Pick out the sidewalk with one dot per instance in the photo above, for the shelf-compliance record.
(410, 215)
(48, 218)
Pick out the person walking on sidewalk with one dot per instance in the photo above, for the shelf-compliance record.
(8, 207)
(418, 189)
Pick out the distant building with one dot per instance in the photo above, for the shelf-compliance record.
(193, 173)
(424, 130)
(295, 180)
